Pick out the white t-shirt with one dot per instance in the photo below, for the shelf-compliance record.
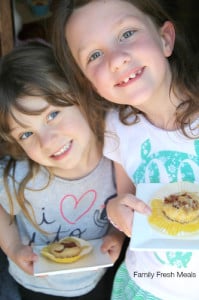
(152, 155)
(63, 208)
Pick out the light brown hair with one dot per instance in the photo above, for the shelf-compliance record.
(184, 67)
(32, 70)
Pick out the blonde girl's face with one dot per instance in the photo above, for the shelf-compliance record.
(120, 51)
(58, 137)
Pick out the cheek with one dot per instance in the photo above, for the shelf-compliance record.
(32, 152)
(85, 135)
(99, 82)
(90, 76)
(96, 73)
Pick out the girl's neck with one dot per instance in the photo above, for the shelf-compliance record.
(163, 121)
(162, 114)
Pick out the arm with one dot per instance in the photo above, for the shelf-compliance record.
(120, 209)
(11, 244)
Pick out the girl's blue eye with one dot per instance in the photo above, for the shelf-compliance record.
(94, 56)
(25, 135)
(127, 34)
(52, 115)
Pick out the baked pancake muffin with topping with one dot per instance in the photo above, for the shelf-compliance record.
(67, 250)
(181, 207)
(175, 209)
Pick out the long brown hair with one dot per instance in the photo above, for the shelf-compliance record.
(184, 67)
(32, 70)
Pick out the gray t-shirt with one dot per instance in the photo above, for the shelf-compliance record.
(62, 208)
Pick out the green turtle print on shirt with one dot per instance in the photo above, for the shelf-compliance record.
(177, 259)
(172, 165)
(168, 166)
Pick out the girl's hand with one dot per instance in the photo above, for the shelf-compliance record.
(24, 257)
(11, 245)
(112, 243)
(120, 211)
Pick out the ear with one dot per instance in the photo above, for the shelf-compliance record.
(167, 33)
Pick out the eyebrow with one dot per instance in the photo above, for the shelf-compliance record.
(122, 20)
(18, 128)
(24, 125)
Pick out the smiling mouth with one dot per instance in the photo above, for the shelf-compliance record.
(62, 150)
(129, 78)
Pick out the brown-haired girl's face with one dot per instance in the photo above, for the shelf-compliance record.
(58, 137)
(120, 50)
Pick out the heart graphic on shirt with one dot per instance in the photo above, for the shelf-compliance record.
(79, 207)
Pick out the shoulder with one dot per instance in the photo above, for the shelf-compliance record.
(113, 120)
(112, 117)
(113, 123)
(17, 170)
(114, 126)
(3, 163)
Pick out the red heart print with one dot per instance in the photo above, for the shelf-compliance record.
(80, 206)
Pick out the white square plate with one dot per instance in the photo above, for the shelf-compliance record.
(146, 238)
(94, 260)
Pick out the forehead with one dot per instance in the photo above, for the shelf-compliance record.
(90, 20)
(32, 103)
(96, 12)
(26, 109)
(26, 106)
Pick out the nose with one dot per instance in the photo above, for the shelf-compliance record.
(118, 60)
(47, 138)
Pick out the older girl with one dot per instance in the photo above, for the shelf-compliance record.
(130, 53)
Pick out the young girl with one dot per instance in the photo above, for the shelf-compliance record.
(56, 181)
(132, 55)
